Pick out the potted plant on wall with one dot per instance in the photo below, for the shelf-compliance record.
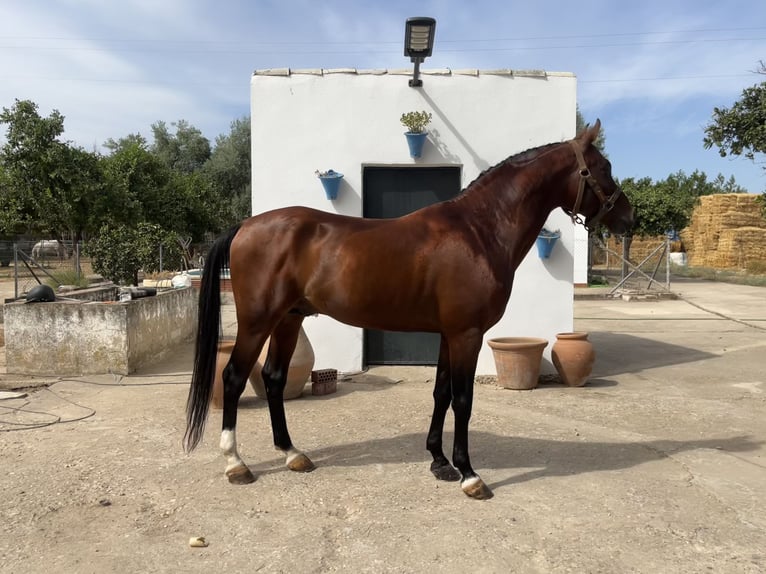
(545, 241)
(416, 134)
(330, 181)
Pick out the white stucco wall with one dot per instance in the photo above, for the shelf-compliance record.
(580, 251)
(347, 119)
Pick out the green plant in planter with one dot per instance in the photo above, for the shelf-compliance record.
(549, 234)
(416, 122)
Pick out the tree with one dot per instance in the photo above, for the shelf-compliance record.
(11, 218)
(185, 151)
(143, 188)
(119, 252)
(229, 170)
(126, 142)
(136, 179)
(741, 129)
(81, 195)
(50, 185)
(668, 204)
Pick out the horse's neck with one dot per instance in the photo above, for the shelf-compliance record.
(516, 200)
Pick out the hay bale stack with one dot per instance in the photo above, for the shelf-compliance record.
(727, 231)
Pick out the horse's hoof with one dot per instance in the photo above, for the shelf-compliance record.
(445, 471)
(240, 475)
(475, 488)
(301, 463)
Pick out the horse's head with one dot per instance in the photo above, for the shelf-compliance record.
(595, 194)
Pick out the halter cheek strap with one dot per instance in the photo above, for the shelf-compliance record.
(607, 203)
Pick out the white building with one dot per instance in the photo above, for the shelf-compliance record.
(348, 120)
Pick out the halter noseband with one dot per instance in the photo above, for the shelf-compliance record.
(607, 203)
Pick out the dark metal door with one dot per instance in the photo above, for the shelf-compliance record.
(393, 192)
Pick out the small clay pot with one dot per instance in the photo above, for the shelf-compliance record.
(517, 360)
(573, 357)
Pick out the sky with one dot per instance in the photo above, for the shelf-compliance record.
(652, 71)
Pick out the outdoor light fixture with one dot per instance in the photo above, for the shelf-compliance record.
(418, 44)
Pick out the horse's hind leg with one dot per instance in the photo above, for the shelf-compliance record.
(235, 377)
(281, 348)
(440, 467)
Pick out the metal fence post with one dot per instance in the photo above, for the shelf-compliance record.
(667, 263)
(15, 272)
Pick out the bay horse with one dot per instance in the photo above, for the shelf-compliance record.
(447, 268)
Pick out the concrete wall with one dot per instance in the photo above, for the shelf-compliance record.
(344, 120)
(73, 338)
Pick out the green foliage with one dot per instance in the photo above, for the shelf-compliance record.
(33, 161)
(186, 151)
(741, 129)
(229, 173)
(668, 204)
(416, 122)
(119, 252)
(49, 186)
(126, 142)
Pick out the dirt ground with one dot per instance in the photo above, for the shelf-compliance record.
(657, 465)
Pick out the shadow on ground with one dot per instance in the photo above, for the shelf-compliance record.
(546, 457)
(617, 353)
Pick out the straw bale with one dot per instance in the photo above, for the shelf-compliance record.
(726, 231)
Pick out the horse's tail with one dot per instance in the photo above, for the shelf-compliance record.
(208, 333)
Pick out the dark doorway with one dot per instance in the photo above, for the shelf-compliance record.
(393, 192)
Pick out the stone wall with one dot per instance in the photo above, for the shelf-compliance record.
(78, 338)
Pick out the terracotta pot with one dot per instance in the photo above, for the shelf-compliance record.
(573, 357)
(298, 373)
(518, 361)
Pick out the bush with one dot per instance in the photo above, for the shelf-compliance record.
(119, 252)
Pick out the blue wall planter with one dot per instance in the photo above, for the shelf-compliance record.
(545, 242)
(416, 141)
(331, 183)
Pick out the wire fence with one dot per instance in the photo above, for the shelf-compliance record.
(27, 263)
(642, 267)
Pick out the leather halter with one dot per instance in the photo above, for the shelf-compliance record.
(607, 203)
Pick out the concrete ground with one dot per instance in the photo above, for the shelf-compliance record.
(657, 465)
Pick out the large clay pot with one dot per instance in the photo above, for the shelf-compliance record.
(517, 360)
(298, 373)
(225, 348)
(573, 357)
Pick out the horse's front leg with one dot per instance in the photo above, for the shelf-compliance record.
(234, 378)
(441, 467)
(464, 353)
(281, 348)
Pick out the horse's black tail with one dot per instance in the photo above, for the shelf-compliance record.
(208, 332)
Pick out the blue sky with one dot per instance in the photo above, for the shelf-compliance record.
(651, 70)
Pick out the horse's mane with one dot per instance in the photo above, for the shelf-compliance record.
(517, 159)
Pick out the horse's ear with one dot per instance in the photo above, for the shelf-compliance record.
(590, 133)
